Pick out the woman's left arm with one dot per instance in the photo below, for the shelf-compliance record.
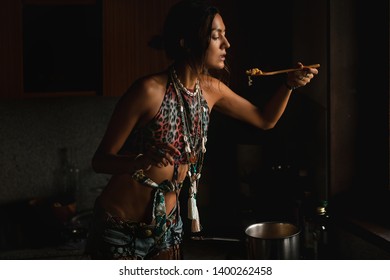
(231, 104)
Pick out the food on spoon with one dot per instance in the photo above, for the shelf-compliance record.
(258, 72)
(254, 72)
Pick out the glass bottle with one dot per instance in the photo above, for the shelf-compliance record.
(321, 232)
(70, 176)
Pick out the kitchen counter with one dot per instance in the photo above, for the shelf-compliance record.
(192, 250)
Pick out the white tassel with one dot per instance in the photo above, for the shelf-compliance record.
(195, 225)
(193, 212)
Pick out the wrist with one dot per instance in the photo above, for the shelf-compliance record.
(287, 85)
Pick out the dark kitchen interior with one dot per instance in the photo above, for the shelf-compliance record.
(64, 65)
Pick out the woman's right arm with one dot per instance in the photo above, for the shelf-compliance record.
(132, 108)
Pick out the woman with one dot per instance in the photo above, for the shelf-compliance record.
(157, 138)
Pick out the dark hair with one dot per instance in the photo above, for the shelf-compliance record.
(187, 32)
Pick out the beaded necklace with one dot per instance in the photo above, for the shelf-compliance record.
(195, 152)
(197, 87)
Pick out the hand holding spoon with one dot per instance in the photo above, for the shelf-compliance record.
(258, 72)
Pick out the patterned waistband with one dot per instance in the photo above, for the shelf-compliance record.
(136, 229)
(160, 218)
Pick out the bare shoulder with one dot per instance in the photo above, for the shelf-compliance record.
(144, 97)
(146, 91)
(151, 86)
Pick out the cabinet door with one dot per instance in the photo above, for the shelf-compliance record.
(44, 42)
(78, 47)
(11, 79)
(128, 27)
(61, 47)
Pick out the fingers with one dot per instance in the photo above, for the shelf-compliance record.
(162, 155)
(305, 75)
(172, 149)
(301, 77)
(300, 65)
(165, 157)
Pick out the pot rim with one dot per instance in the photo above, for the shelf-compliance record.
(298, 230)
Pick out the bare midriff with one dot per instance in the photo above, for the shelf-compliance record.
(126, 198)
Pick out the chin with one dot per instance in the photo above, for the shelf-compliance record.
(216, 66)
(220, 66)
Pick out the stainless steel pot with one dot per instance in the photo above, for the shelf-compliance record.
(272, 241)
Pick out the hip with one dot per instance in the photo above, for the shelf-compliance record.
(113, 237)
(129, 199)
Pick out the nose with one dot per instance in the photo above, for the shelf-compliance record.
(226, 43)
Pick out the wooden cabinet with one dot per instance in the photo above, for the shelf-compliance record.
(127, 28)
(11, 66)
(77, 47)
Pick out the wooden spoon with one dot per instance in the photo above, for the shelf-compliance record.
(258, 72)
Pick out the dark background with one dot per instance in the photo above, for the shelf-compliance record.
(65, 64)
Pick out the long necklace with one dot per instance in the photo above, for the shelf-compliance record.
(191, 140)
(195, 154)
(197, 86)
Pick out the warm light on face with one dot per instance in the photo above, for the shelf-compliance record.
(216, 52)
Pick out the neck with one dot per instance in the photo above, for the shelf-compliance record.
(186, 75)
(181, 88)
